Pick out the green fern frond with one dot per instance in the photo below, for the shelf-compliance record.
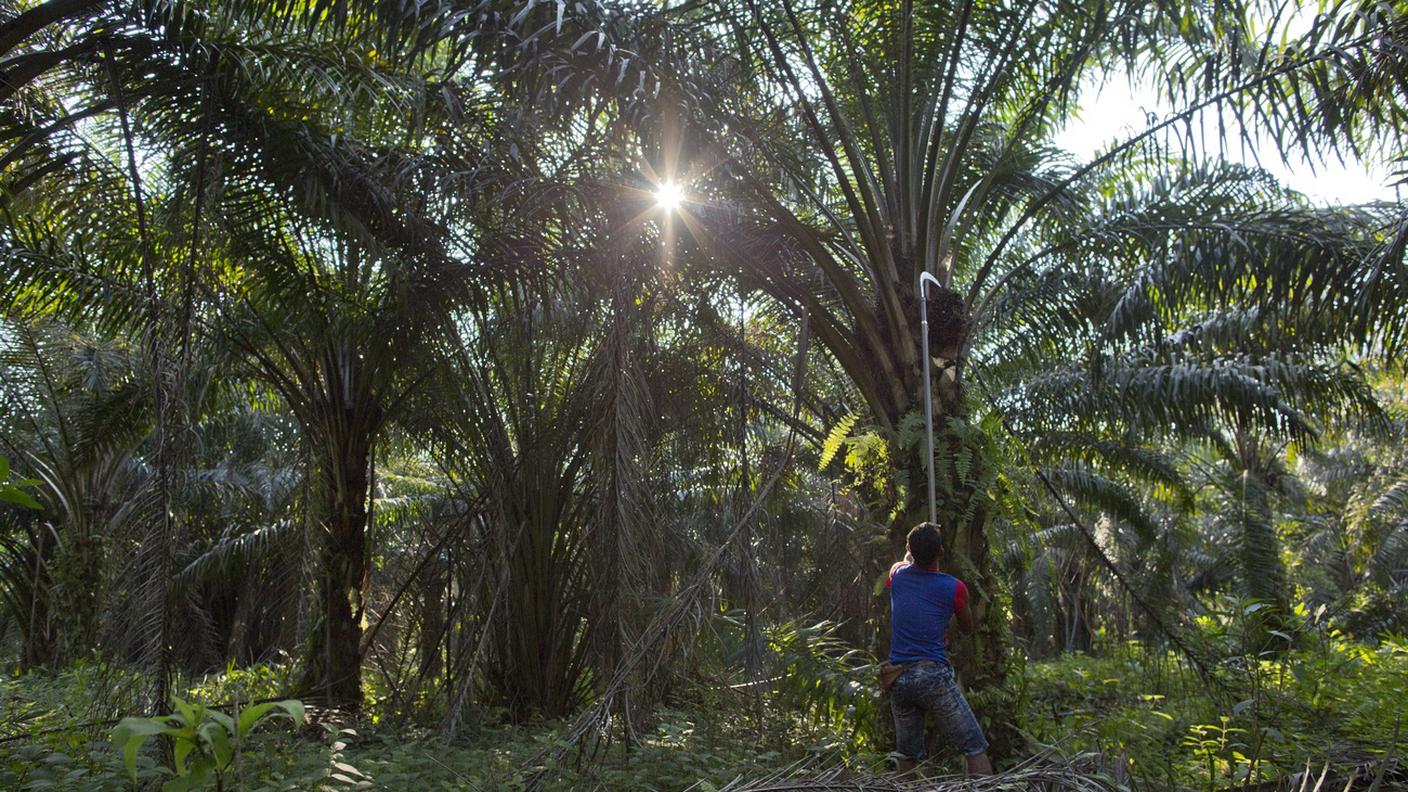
(835, 439)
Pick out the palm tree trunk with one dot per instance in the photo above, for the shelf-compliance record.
(333, 660)
(432, 619)
(37, 640)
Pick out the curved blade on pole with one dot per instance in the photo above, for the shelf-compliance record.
(925, 278)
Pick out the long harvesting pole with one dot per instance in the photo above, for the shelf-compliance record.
(924, 278)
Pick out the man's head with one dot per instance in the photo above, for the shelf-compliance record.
(925, 543)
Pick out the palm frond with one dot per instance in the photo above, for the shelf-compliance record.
(238, 551)
(1104, 494)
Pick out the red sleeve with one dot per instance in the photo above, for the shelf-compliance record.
(895, 567)
(960, 596)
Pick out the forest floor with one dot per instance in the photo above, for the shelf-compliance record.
(1132, 718)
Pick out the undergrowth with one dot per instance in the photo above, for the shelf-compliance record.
(1155, 723)
(1260, 720)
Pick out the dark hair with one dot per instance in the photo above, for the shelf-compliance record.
(925, 543)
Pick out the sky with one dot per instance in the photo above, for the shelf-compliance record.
(1118, 110)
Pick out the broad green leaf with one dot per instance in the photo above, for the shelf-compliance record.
(18, 497)
(179, 752)
(190, 712)
(131, 733)
(223, 720)
(294, 708)
(220, 748)
(249, 716)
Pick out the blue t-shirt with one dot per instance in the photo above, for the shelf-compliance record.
(921, 603)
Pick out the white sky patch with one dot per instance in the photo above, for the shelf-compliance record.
(1118, 110)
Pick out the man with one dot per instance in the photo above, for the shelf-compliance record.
(922, 601)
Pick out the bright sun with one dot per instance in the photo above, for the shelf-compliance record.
(668, 196)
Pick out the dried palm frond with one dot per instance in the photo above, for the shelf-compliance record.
(1045, 771)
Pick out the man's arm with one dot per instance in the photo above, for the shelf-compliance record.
(961, 611)
(895, 567)
(965, 618)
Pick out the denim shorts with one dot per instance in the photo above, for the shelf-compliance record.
(929, 686)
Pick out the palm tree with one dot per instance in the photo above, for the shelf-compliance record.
(330, 174)
(550, 430)
(322, 175)
(1354, 527)
(81, 421)
(295, 237)
(924, 129)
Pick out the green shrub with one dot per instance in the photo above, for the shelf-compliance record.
(204, 742)
(1335, 701)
